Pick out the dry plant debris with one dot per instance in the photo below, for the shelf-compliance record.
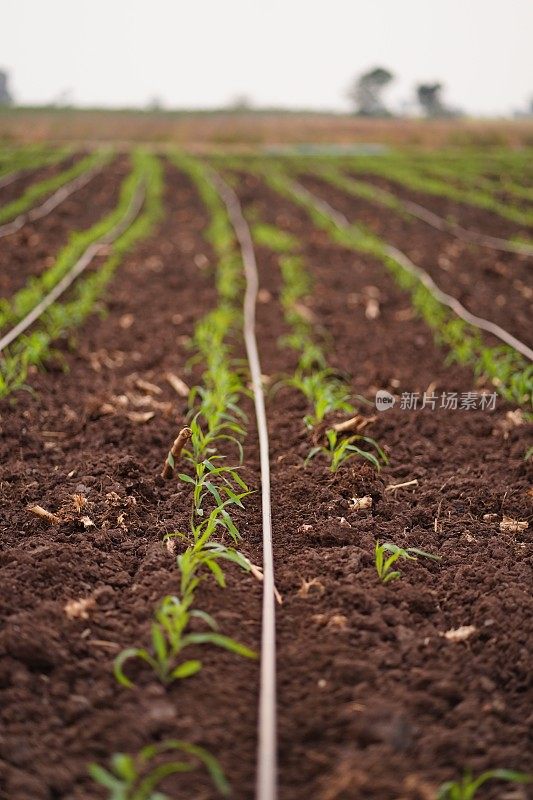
(79, 609)
(179, 386)
(146, 386)
(356, 423)
(511, 525)
(393, 487)
(140, 417)
(175, 452)
(360, 503)
(42, 513)
(459, 634)
(307, 586)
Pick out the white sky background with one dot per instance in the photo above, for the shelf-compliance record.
(295, 53)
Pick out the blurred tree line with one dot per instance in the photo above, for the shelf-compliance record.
(366, 94)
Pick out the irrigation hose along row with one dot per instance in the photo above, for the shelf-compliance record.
(92, 251)
(445, 299)
(266, 780)
(51, 203)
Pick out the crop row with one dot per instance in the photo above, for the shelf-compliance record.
(509, 372)
(387, 199)
(467, 175)
(216, 426)
(394, 170)
(15, 161)
(328, 399)
(500, 172)
(416, 176)
(325, 391)
(33, 349)
(45, 187)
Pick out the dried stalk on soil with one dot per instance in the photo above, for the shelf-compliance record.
(394, 486)
(511, 525)
(361, 503)
(41, 512)
(175, 452)
(357, 423)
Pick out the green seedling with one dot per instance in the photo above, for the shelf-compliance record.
(169, 640)
(467, 787)
(138, 777)
(224, 425)
(202, 550)
(324, 391)
(223, 484)
(311, 356)
(340, 449)
(274, 238)
(384, 565)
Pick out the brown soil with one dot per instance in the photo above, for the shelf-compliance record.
(487, 282)
(374, 703)
(34, 248)
(17, 188)
(469, 216)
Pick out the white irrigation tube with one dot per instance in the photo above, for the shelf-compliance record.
(80, 265)
(490, 327)
(52, 202)
(266, 782)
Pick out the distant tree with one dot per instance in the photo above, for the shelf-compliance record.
(430, 101)
(154, 103)
(240, 102)
(64, 99)
(6, 97)
(366, 91)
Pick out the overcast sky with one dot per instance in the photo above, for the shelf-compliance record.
(299, 53)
